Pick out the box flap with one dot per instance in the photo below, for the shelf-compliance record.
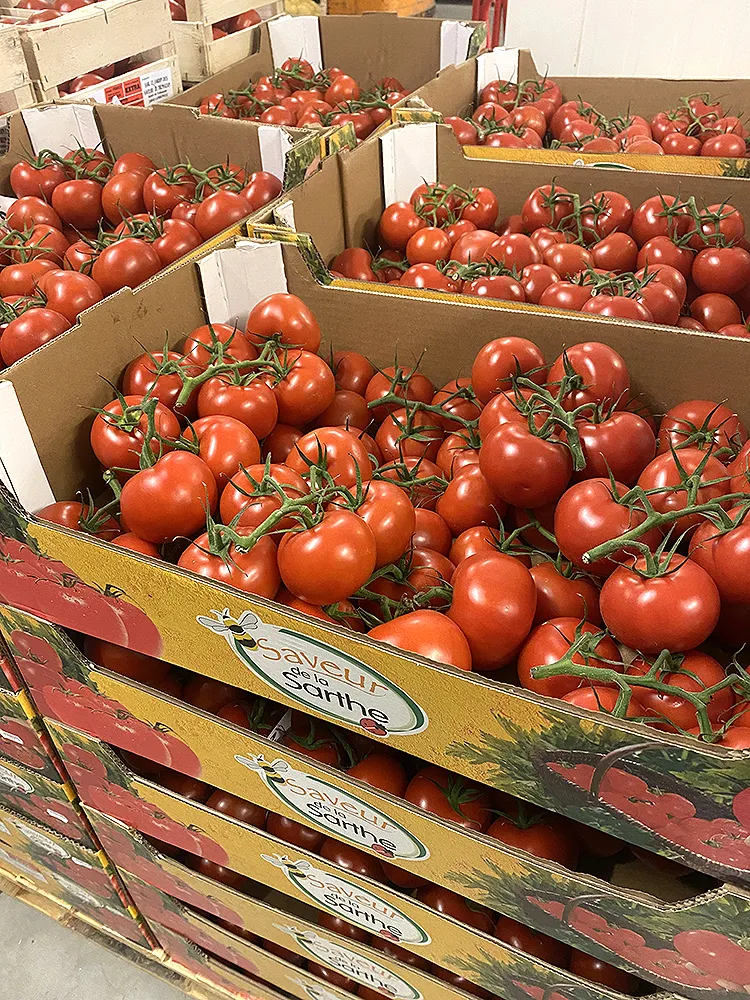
(236, 279)
(20, 467)
(62, 128)
(296, 38)
(409, 159)
(454, 41)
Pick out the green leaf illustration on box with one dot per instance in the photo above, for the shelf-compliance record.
(302, 160)
(647, 793)
(518, 983)
(663, 944)
(735, 168)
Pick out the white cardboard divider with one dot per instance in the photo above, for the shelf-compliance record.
(454, 42)
(20, 467)
(236, 279)
(296, 38)
(274, 144)
(497, 64)
(62, 128)
(409, 156)
(283, 215)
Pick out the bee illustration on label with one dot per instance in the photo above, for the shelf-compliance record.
(300, 868)
(273, 770)
(234, 630)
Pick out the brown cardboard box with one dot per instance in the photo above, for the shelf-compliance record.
(455, 90)
(368, 47)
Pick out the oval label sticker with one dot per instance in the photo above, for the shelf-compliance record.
(334, 810)
(42, 841)
(318, 676)
(350, 964)
(12, 780)
(353, 903)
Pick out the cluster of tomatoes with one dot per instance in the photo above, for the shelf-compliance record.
(83, 226)
(298, 95)
(664, 261)
(534, 115)
(427, 787)
(532, 515)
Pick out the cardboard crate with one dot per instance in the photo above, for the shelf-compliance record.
(307, 880)
(258, 770)
(411, 49)
(16, 89)
(97, 35)
(455, 91)
(70, 873)
(38, 798)
(200, 54)
(499, 734)
(23, 738)
(404, 8)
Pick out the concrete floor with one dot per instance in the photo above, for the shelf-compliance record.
(44, 961)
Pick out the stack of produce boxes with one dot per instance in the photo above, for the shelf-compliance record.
(308, 775)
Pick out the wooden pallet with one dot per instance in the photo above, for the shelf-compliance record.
(94, 36)
(156, 964)
(199, 54)
(16, 90)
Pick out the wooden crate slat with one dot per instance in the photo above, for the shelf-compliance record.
(201, 55)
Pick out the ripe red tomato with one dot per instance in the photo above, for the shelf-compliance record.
(118, 435)
(548, 205)
(664, 471)
(352, 370)
(715, 310)
(429, 634)
(390, 516)
(219, 211)
(603, 372)
(450, 797)
(694, 672)
(398, 223)
(287, 315)
(78, 203)
(499, 360)
(251, 402)
(69, 293)
(125, 264)
(30, 330)
(541, 834)
(382, 770)
(532, 942)
(237, 808)
(452, 905)
(80, 517)
(340, 452)
(122, 195)
(306, 390)
(703, 424)
(677, 610)
(564, 596)
(170, 498)
(597, 971)
(623, 444)
(724, 556)
(494, 600)
(38, 179)
(522, 468)
(254, 571)
(246, 493)
(351, 859)
(551, 642)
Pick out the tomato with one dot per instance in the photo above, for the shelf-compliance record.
(178, 239)
(721, 269)
(329, 562)
(542, 834)
(452, 905)
(603, 373)
(293, 833)
(125, 264)
(25, 213)
(220, 210)
(694, 672)
(494, 601)
(80, 517)
(523, 469)
(118, 436)
(37, 179)
(252, 403)
(245, 494)
(306, 390)
(226, 445)
(351, 859)
(496, 286)
(472, 247)
(596, 698)
(568, 259)
(165, 189)
(589, 514)
(348, 409)
(660, 215)
(616, 252)
(715, 310)
(549, 643)
(664, 471)
(398, 223)
(78, 203)
(482, 210)
(69, 293)
(355, 263)
(428, 246)
(465, 131)
(597, 971)
(337, 451)
(469, 501)
(185, 786)
(450, 797)
(219, 873)
(623, 444)
(536, 278)
(431, 531)
(548, 205)
(702, 424)
(141, 377)
(170, 498)
(132, 542)
(429, 634)
(724, 556)
(618, 307)
(30, 330)
(352, 370)
(390, 516)
(122, 195)
(499, 360)
(677, 610)
(208, 694)
(287, 315)
(338, 925)
(565, 295)
(382, 770)
(561, 596)
(532, 942)
(726, 145)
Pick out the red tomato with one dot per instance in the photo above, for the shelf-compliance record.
(702, 424)
(246, 493)
(118, 434)
(306, 390)
(523, 469)
(390, 516)
(722, 269)
(337, 451)
(603, 699)
(78, 203)
(220, 210)
(563, 596)
(677, 610)
(284, 314)
(551, 642)
(38, 179)
(351, 859)
(724, 556)
(694, 672)
(494, 600)
(541, 834)
(597, 971)
(450, 797)
(429, 634)
(469, 501)
(548, 205)
(353, 371)
(226, 445)
(80, 517)
(603, 373)
(398, 223)
(69, 293)
(252, 402)
(715, 310)
(664, 471)
(170, 498)
(30, 330)
(532, 942)
(452, 905)
(499, 360)
(623, 444)
(124, 264)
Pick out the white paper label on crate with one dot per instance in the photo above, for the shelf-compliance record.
(348, 900)
(409, 157)
(137, 91)
(498, 64)
(236, 279)
(351, 964)
(14, 781)
(62, 128)
(318, 676)
(454, 42)
(274, 144)
(296, 38)
(20, 467)
(335, 810)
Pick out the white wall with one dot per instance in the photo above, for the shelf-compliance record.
(688, 39)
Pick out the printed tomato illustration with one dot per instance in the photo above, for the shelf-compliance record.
(83, 766)
(715, 954)
(20, 743)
